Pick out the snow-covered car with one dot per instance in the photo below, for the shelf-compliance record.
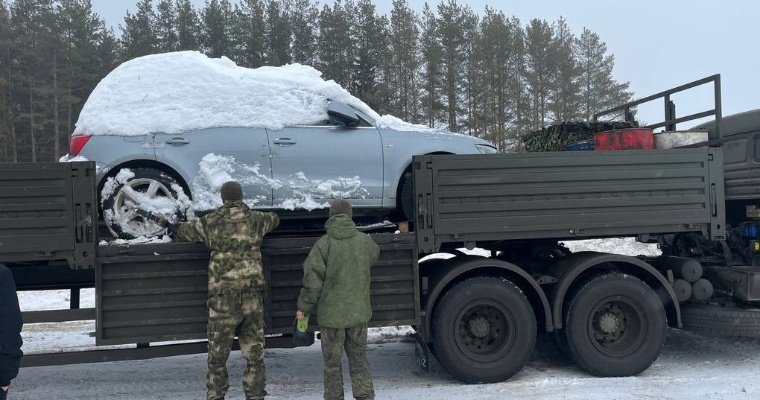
(169, 129)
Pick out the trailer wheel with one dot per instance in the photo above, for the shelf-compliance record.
(615, 325)
(124, 198)
(717, 320)
(484, 330)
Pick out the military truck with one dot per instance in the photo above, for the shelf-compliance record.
(479, 316)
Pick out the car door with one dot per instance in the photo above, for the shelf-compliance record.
(208, 157)
(317, 163)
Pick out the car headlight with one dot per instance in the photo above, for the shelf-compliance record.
(486, 149)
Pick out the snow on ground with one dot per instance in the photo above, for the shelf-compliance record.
(691, 366)
(181, 91)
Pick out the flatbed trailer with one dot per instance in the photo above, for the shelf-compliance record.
(479, 316)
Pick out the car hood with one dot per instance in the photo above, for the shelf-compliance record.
(433, 134)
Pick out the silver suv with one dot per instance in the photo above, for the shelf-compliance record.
(296, 168)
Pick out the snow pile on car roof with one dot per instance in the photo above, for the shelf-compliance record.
(181, 91)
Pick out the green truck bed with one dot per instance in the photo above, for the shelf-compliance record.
(463, 199)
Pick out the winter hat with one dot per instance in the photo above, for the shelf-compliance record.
(231, 191)
(341, 206)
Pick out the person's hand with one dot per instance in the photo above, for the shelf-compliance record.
(299, 315)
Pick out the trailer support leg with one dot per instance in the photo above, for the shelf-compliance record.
(74, 299)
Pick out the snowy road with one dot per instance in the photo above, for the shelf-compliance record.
(690, 367)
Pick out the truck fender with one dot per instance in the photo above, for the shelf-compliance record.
(453, 270)
(568, 270)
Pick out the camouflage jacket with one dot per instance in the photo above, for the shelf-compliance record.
(336, 277)
(233, 233)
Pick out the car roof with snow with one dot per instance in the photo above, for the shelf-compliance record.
(182, 91)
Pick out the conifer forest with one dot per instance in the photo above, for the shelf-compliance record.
(478, 72)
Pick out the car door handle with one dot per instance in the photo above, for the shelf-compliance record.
(283, 141)
(177, 141)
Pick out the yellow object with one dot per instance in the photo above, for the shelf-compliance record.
(303, 324)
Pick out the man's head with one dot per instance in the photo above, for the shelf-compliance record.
(341, 206)
(231, 191)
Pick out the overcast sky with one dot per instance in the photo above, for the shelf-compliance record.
(658, 44)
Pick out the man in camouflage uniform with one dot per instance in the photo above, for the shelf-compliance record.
(236, 288)
(336, 285)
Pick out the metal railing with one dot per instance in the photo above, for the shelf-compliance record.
(670, 108)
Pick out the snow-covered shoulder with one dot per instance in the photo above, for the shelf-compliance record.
(181, 91)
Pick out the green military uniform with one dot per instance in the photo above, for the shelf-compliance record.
(336, 286)
(236, 288)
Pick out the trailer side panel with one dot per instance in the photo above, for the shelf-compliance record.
(153, 293)
(567, 195)
(48, 212)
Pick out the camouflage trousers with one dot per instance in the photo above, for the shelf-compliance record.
(230, 312)
(354, 341)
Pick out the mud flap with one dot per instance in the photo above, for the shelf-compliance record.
(421, 353)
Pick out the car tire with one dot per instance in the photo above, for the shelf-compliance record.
(117, 207)
(615, 325)
(407, 197)
(484, 330)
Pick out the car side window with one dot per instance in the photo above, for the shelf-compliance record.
(333, 122)
(756, 150)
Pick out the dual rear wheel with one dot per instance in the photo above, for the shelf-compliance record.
(484, 328)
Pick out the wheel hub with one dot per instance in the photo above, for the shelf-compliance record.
(484, 331)
(479, 327)
(608, 323)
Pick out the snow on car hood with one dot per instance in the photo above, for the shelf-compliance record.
(181, 91)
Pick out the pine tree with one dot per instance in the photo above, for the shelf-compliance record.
(431, 55)
(138, 35)
(564, 102)
(278, 32)
(218, 23)
(455, 26)
(494, 47)
(304, 24)
(188, 26)
(34, 27)
(539, 70)
(108, 50)
(404, 62)
(81, 31)
(335, 49)
(370, 37)
(518, 88)
(7, 133)
(250, 33)
(598, 89)
(166, 26)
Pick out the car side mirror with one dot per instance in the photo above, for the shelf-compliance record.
(342, 113)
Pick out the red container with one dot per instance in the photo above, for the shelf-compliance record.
(624, 139)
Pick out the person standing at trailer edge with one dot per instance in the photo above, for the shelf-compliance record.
(336, 285)
(10, 331)
(236, 287)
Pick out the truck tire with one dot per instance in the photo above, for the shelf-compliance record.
(717, 320)
(615, 325)
(116, 207)
(484, 330)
